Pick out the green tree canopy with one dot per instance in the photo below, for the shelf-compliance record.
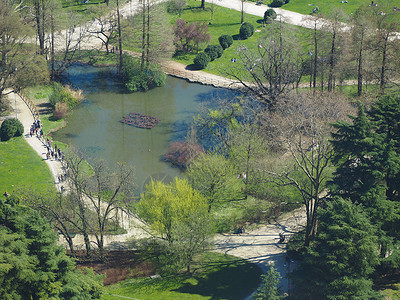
(32, 266)
(345, 252)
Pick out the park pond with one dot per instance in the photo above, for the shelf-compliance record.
(95, 128)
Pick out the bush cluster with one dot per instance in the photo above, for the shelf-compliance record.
(60, 110)
(135, 79)
(201, 60)
(246, 31)
(63, 94)
(11, 128)
(278, 3)
(214, 51)
(225, 41)
(269, 15)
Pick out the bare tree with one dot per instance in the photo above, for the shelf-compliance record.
(107, 192)
(334, 30)
(302, 125)
(273, 68)
(16, 59)
(97, 189)
(360, 32)
(106, 31)
(151, 32)
(384, 45)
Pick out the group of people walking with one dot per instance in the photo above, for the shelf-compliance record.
(53, 152)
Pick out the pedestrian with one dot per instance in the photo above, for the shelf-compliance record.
(55, 155)
(6, 194)
(52, 154)
(48, 155)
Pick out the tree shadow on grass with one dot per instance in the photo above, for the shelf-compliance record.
(236, 37)
(227, 280)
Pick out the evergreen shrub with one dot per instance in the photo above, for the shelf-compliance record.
(11, 128)
(269, 15)
(201, 60)
(225, 41)
(246, 31)
(214, 51)
(136, 79)
(278, 3)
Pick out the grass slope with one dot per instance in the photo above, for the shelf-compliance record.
(218, 276)
(226, 21)
(325, 6)
(21, 166)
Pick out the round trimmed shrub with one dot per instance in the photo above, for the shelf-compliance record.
(11, 128)
(225, 41)
(214, 51)
(246, 31)
(201, 60)
(278, 3)
(269, 15)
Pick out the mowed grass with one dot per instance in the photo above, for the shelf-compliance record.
(22, 167)
(227, 21)
(326, 6)
(216, 276)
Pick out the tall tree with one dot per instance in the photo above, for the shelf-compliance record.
(16, 58)
(214, 178)
(273, 68)
(242, 12)
(359, 33)
(335, 29)
(302, 125)
(384, 46)
(32, 265)
(269, 289)
(339, 263)
(366, 150)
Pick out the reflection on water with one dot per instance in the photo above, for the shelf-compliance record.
(94, 126)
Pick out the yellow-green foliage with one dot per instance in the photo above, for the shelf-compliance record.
(164, 206)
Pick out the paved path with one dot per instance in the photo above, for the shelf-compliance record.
(261, 245)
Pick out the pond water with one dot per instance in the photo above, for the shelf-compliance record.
(95, 129)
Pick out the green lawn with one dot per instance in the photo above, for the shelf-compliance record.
(226, 21)
(325, 6)
(218, 276)
(21, 166)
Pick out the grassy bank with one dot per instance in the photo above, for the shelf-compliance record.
(227, 21)
(21, 166)
(218, 276)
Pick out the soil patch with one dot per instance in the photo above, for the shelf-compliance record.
(117, 265)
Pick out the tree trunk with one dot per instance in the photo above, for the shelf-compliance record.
(360, 63)
(242, 11)
(148, 36)
(143, 34)
(39, 26)
(383, 68)
(331, 63)
(119, 40)
(52, 75)
(315, 57)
